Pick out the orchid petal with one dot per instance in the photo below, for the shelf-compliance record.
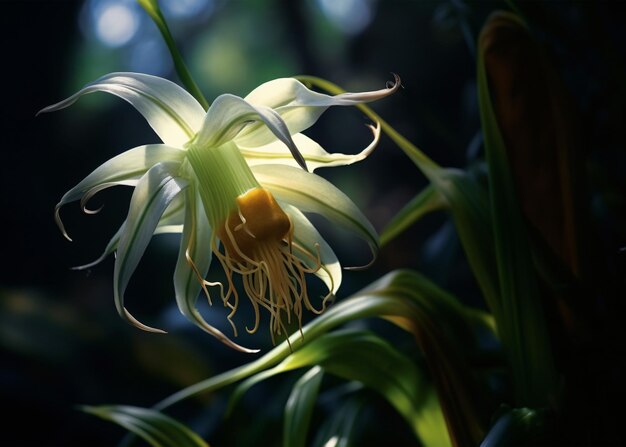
(154, 192)
(306, 236)
(170, 110)
(229, 114)
(173, 218)
(110, 248)
(194, 259)
(124, 169)
(313, 153)
(298, 106)
(170, 222)
(312, 193)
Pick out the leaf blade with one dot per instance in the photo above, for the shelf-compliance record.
(155, 428)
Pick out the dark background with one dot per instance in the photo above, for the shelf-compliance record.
(61, 342)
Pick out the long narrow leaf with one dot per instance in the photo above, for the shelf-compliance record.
(416, 305)
(155, 428)
(427, 201)
(521, 323)
(389, 372)
(299, 408)
(340, 424)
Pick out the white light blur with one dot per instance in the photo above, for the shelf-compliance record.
(116, 23)
(186, 8)
(351, 16)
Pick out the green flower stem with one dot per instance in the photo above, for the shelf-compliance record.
(223, 175)
(153, 10)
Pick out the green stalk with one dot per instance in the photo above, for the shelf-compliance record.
(223, 175)
(153, 10)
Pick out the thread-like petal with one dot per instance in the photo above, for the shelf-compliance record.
(171, 222)
(124, 169)
(298, 106)
(170, 110)
(230, 114)
(154, 192)
(194, 259)
(313, 153)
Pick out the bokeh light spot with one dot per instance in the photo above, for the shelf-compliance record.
(116, 24)
(351, 16)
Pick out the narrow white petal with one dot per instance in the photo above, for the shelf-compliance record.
(124, 169)
(312, 193)
(313, 153)
(194, 256)
(171, 222)
(194, 259)
(170, 110)
(110, 248)
(298, 106)
(229, 114)
(306, 236)
(173, 218)
(154, 192)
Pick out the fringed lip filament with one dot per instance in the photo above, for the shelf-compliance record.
(258, 244)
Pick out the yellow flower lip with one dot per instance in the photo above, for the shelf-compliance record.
(259, 219)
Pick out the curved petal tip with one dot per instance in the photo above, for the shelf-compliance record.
(395, 84)
(57, 219)
(132, 320)
(374, 249)
(201, 323)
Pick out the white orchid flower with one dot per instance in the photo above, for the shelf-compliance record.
(235, 174)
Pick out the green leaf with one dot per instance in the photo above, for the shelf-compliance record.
(427, 201)
(443, 329)
(468, 203)
(155, 428)
(299, 407)
(521, 322)
(153, 10)
(519, 427)
(388, 371)
(338, 430)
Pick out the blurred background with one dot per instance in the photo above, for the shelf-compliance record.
(61, 341)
